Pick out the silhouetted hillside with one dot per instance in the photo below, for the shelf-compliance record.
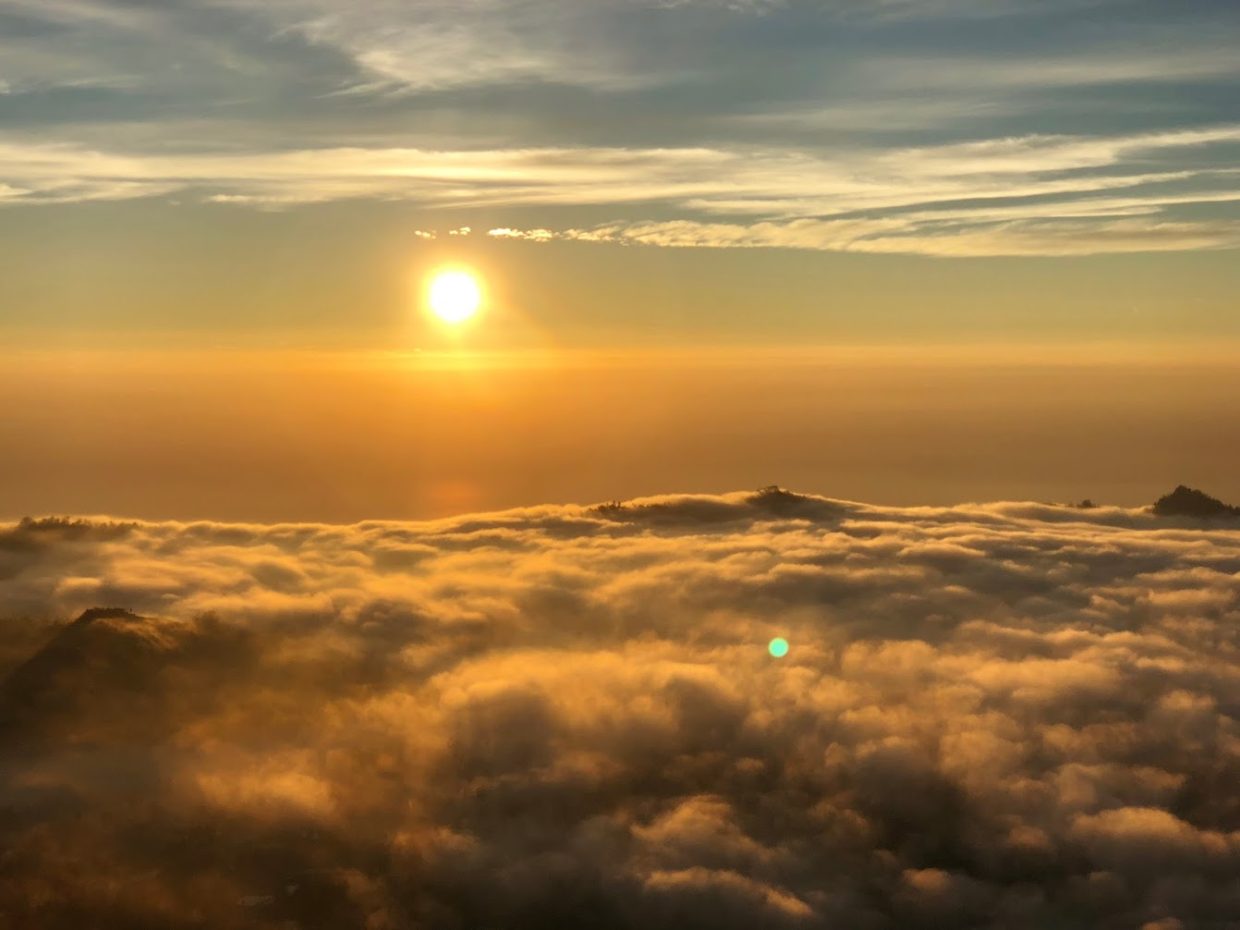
(108, 672)
(1188, 502)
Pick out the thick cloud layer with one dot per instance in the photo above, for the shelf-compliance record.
(1007, 715)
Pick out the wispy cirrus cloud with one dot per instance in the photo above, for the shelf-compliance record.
(1010, 236)
(1001, 196)
(700, 118)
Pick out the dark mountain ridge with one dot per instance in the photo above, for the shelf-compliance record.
(1189, 502)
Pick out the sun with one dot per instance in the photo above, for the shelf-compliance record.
(454, 296)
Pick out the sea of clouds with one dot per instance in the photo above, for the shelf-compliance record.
(1003, 715)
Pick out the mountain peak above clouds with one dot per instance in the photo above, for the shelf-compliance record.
(1189, 502)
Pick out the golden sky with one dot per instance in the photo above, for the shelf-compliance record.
(295, 435)
(239, 182)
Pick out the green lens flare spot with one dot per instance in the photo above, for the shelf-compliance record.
(778, 647)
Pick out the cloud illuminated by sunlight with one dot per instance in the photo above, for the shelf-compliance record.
(995, 715)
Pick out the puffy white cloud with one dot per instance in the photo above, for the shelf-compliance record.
(925, 234)
(991, 715)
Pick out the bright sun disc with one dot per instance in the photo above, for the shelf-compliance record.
(454, 296)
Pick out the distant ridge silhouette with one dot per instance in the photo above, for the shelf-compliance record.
(105, 651)
(1189, 502)
(105, 613)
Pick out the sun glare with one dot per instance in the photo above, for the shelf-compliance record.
(454, 296)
